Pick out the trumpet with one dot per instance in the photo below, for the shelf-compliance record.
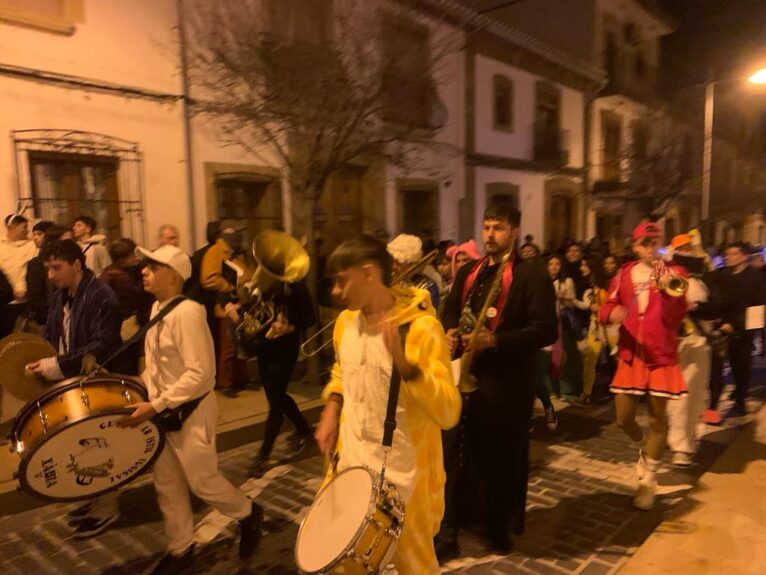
(403, 277)
(672, 283)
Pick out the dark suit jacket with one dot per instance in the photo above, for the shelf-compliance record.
(94, 326)
(506, 373)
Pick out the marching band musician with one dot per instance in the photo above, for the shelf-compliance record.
(368, 346)
(180, 375)
(494, 426)
(648, 360)
(407, 249)
(84, 318)
(277, 354)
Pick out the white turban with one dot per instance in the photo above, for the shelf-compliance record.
(405, 248)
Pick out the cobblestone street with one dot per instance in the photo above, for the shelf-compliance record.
(580, 519)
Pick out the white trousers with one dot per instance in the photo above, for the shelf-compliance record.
(189, 462)
(685, 413)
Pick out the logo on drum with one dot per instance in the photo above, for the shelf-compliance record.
(94, 461)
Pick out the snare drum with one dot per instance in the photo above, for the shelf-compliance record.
(353, 524)
(70, 445)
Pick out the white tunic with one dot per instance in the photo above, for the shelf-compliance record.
(366, 368)
(180, 362)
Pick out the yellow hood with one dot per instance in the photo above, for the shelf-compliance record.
(411, 303)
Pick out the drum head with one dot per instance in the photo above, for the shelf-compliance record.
(334, 520)
(89, 458)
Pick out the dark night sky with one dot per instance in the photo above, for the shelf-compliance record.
(725, 36)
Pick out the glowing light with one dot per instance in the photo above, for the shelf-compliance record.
(759, 77)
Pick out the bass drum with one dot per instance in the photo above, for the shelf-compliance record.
(353, 526)
(70, 445)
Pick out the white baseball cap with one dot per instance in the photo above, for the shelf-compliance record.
(170, 256)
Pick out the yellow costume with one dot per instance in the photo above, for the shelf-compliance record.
(427, 404)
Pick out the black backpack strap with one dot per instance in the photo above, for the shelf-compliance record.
(389, 425)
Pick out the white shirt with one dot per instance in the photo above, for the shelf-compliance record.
(641, 276)
(180, 363)
(366, 368)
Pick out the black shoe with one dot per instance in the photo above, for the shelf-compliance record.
(250, 532)
(737, 410)
(91, 526)
(551, 420)
(446, 548)
(297, 443)
(500, 542)
(172, 565)
(258, 468)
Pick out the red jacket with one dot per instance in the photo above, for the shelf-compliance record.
(659, 326)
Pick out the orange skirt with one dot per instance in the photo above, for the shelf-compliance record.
(638, 379)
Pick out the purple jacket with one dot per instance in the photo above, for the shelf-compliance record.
(94, 327)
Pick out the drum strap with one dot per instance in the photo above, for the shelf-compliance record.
(142, 332)
(389, 426)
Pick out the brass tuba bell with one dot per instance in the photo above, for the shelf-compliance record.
(280, 258)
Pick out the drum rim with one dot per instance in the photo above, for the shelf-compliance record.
(73, 382)
(58, 429)
(367, 515)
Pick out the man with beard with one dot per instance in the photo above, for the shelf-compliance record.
(494, 428)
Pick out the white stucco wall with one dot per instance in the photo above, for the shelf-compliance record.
(122, 41)
(519, 144)
(134, 43)
(531, 199)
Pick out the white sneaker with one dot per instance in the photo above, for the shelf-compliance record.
(645, 496)
(641, 465)
(682, 459)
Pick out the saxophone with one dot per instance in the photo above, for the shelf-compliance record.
(467, 382)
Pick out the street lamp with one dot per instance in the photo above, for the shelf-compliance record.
(758, 77)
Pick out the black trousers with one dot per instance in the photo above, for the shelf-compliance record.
(487, 457)
(276, 363)
(740, 359)
(741, 362)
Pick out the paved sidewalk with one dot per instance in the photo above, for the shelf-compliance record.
(720, 528)
(580, 520)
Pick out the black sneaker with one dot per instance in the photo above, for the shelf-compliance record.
(78, 514)
(90, 526)
(501, 543)
(298, 443)
(446, 549)
(250, 532)
(551, 420)
(258, 469)
(172, 565)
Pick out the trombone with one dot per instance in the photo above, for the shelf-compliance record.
(403, 277)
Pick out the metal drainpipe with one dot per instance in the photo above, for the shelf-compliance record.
(187, 125)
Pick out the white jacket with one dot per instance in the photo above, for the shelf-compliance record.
(13, 261)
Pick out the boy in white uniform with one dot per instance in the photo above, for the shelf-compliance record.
(180, 368)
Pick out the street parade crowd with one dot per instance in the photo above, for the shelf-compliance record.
(436, 357)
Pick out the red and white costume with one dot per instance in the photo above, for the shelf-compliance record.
(649, 334)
